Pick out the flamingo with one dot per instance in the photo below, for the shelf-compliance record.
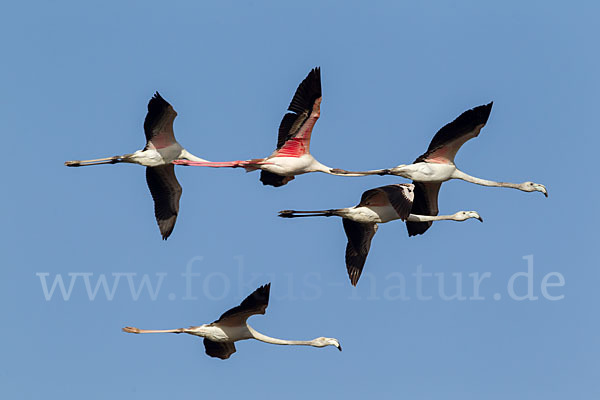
(292, 156)
(160, 150)
(437, 165)
(221, 335)
(379, 205)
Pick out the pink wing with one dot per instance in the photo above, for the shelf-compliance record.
(296, 127)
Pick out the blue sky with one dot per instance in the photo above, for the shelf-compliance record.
(76, 80)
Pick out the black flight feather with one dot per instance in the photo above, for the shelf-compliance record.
(464, 124)
(425, 203)
(301, 106)
(255, 303)
(222, 350)
(166, 192)
(359, 242)
(160, 117)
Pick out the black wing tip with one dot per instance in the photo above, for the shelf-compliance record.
(157, 97)
(266, 288)
(314, 79)
(488, 107)
(354, 274)
(264, 291)
(316, 73)
(166, 227)
(481, 113)
(308, 91)
(157, 101)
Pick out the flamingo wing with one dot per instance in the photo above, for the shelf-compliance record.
(255, 303)
(296, 127)
(158, 125)
(359, 242)
(425, 203)
(399, 196)
(448, 140)
(166, 192)
(272, 179)
(222, 350)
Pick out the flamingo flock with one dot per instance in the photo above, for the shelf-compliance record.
(416, 203)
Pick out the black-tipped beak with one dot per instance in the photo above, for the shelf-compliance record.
(480, 219)
(340, 347)
(546, 193)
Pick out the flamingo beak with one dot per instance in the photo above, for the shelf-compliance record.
(541, 188)
(480, 219)
(339, 347)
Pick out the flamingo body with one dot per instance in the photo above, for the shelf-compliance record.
(429, 171)
(290, 165)
(371, 214)
(157, 156)
(232, 326)
(220, 332)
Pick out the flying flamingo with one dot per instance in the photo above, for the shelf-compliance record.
(379, 205)
(437, 166)
(220, 336)
(161, 149)
(292, 156)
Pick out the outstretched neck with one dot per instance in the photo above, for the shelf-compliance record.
(459, 216)
(458, 174)
(267, 339)
(430, 218)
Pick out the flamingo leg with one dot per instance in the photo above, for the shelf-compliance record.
(222, 164)
(297, 214)
(106, 160)
(130, 329)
